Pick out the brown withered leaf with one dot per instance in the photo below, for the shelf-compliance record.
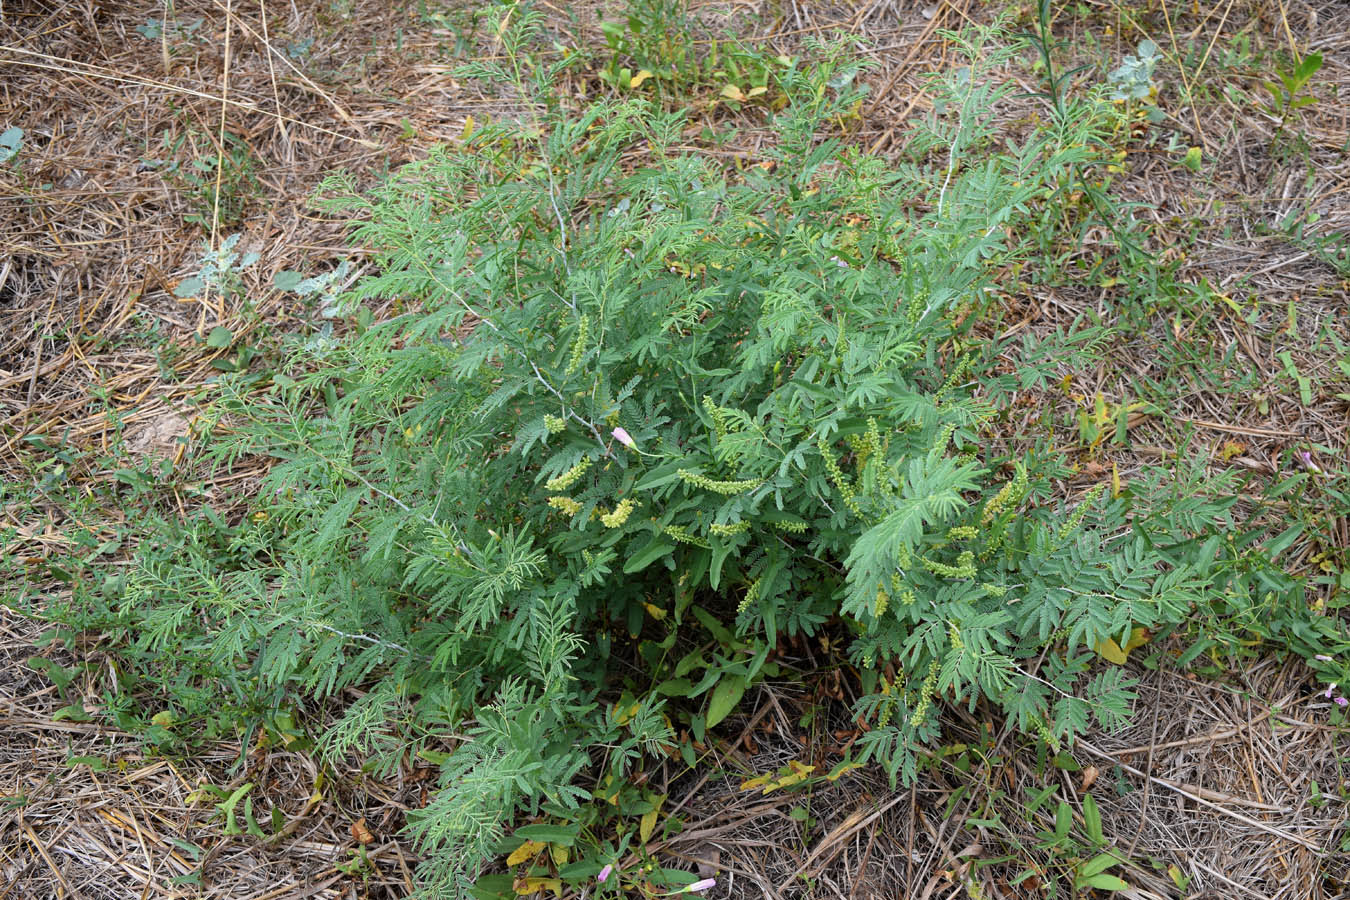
(361, 833)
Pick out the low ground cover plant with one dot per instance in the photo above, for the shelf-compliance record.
(641, 415)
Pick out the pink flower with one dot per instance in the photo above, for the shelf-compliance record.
(623, 437)
(1331, 687)
(703, 885)
(1341, 701)
(1323, 657)
(1306, 458)
(604, 874)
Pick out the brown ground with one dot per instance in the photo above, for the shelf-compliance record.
(95, 348)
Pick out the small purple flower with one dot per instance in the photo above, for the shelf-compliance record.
(604, 874)
(698, 886)
(1306, 458)
(1323, 657)
(1331, 687)
(1341, 701)
(623, 437)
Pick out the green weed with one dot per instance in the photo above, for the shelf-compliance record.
(655, 44)
(218, 187)
(630, 426)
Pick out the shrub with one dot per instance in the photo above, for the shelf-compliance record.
(639, 414)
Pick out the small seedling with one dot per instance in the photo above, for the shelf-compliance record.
(158, 29)
(1133, 78)
(219, 269)
(11, 142)
(1288, 94)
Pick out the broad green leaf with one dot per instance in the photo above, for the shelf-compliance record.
(189, 287)
(724, 698)
(1092, 820)
(656, 548)
(1105, 882)
(287, 280)
(1099, 863)
(550, 834)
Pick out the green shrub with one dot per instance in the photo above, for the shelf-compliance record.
(640, 414)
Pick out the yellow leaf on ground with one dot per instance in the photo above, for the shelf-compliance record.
(532, 885)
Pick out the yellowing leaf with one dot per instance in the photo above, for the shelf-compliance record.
(560, 854)
(1110, 651)
(640, 77)
(648, 825)
(624, 714)
(523, 886)
(756, 91)
(527, 850)
(799, 773)
(468, 128)
(1138, 638)
(793, 773)
(754, 784)
(838, 771)
(731, 92)
(655, 611)
(1113, 652)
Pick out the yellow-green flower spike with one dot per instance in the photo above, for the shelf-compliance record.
(565, 504)
(579, 345)
(725, 488)
(620, 514)
(570, 477)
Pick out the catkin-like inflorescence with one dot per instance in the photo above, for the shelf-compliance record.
(685, 536)
(925, 696)
(840, 480)
(1080, 512)
(866, 445)
(726, 488)
(964, 568)
(1008, 496)
(579, 345)
(570, 477)
(718, 416)
(751, 596)
(620, 514)
(565, 504)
